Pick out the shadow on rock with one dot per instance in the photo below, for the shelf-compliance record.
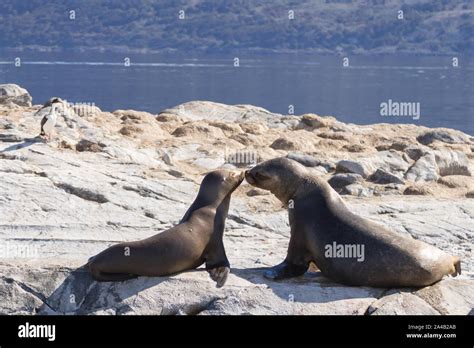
(26, 143)
(80, 294)
(312, 287)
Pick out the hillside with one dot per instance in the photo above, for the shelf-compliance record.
(443, 26)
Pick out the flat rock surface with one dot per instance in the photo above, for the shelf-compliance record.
(96, 184)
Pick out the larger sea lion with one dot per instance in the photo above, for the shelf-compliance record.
(196, 240)
(326, 232)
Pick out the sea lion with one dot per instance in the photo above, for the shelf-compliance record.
(321, 222)
(196, 240)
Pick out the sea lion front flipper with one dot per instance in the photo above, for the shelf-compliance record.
(285, 270)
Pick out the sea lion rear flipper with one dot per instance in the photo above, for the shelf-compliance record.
(219, 275)
(285, 270)
(457, 266)
(217, 263)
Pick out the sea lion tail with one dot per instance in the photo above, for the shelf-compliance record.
(457, 266)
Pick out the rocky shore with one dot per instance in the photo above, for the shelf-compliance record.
(108, 177)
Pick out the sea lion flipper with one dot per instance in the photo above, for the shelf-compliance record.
(457, 266)
(285, 270)
(219, 275)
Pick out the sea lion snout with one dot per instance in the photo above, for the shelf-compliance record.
(249, 177)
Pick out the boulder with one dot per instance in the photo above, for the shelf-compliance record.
(347, 166)
(416, 151)
(424, 169)
(338, 181)
(389, 161)
(382, 177)
(87, 145)
(11, 93)
(449, 136)
(452, 163)
(401, 303)
(357, 190)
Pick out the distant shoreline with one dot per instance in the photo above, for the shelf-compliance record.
(390, 51)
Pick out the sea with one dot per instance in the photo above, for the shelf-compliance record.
(433, 91)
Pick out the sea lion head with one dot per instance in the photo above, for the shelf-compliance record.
(218, 184)
(281, 176)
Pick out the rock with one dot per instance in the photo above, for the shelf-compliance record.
(401, 303)
(449, 136)
(196, 129)
(254, 128)
(399, 146)
(422, 190)
(388, 189)
(130, 130)
(228, 128)
(382, 177)
(357, 190)
(209, 163)
(87, 145)
(452, 163)
(424, 169)
(338, 181)
(11, 93)
(205, 110)
(291, 144)
(315, 121)
(10, 138)
(167, 118)
(449, 297)
(346, 166)
(74, 204)
(415, 152)
(389, 161)
(334, 136)
(457, 181)
(354, 148)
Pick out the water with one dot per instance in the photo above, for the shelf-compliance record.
(310, 83)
